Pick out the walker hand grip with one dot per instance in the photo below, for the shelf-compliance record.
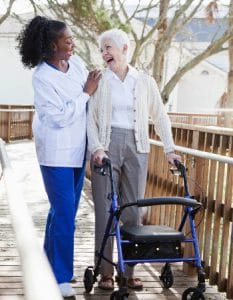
(178, 164)
(102, 170)
(180, 167)
(106, 161)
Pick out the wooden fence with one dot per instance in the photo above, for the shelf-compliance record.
(16, 122)
(211, 182)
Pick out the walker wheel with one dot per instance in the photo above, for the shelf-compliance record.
(116, 295)
(193, 294)
(88, 279)
(166, 277)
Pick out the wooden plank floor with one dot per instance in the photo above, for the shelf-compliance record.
(26, 169)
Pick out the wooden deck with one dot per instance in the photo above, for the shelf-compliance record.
(25, 165)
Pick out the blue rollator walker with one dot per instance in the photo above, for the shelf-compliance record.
(149, 243)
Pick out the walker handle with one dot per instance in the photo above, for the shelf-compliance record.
(181, 168)
(106, 161)
(102, 170)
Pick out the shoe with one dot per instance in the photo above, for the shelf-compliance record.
(135, 283)
(66, 289)
(106, 283)
(132, 283)
(74, 279)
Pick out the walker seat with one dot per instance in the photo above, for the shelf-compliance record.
(151, 242)
(151, 233)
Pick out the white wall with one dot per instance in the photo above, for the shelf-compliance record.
(15, 80)
(200, 89)
(172, 62)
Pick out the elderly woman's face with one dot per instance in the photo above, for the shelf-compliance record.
(114, 56)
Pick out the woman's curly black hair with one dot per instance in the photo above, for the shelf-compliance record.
(36, 38)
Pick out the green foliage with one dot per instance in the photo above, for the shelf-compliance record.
(95, 18)
(82, 7)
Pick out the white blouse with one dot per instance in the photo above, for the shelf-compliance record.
(59, 125)
(122, 98)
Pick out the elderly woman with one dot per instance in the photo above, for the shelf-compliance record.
(118, 128)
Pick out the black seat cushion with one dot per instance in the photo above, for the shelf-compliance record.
(150, 233)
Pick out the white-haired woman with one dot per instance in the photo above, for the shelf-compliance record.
(118, 128)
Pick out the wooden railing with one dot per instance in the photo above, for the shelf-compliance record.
(211, 182)
(197, 119)
(38, 278)
(16, 122)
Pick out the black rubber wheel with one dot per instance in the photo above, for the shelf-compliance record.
(117, 296)
(166, 277)
(167, 281)
(192, 294)
(88, 280)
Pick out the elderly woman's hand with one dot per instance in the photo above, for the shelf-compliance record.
(98, 156)
(171, 157)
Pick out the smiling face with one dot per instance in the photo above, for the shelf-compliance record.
(64, 45)
(113, 55)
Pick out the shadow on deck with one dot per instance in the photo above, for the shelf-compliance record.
(24, 163)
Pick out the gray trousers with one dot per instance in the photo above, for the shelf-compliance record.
(129, 173)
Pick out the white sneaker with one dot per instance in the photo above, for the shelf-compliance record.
(74, 279)
(66, 289)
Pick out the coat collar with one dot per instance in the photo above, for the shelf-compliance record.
(132, 72)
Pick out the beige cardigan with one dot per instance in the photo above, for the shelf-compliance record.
(147, 104)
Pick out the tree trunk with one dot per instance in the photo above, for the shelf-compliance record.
(229, 103)
(158, 65)
(135, 53)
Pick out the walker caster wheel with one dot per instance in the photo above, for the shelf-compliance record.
(193, 294)
(88, 279)
(116, 295)
(166, 277)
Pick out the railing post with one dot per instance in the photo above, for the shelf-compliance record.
(230, 268)
(30, 124)
(195, 173)
(223, 282)
(8, 125)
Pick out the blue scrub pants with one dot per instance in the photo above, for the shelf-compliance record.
(63, 186)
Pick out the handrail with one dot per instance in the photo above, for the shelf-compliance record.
(38, 279)
(198, 153)
(16, 109)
